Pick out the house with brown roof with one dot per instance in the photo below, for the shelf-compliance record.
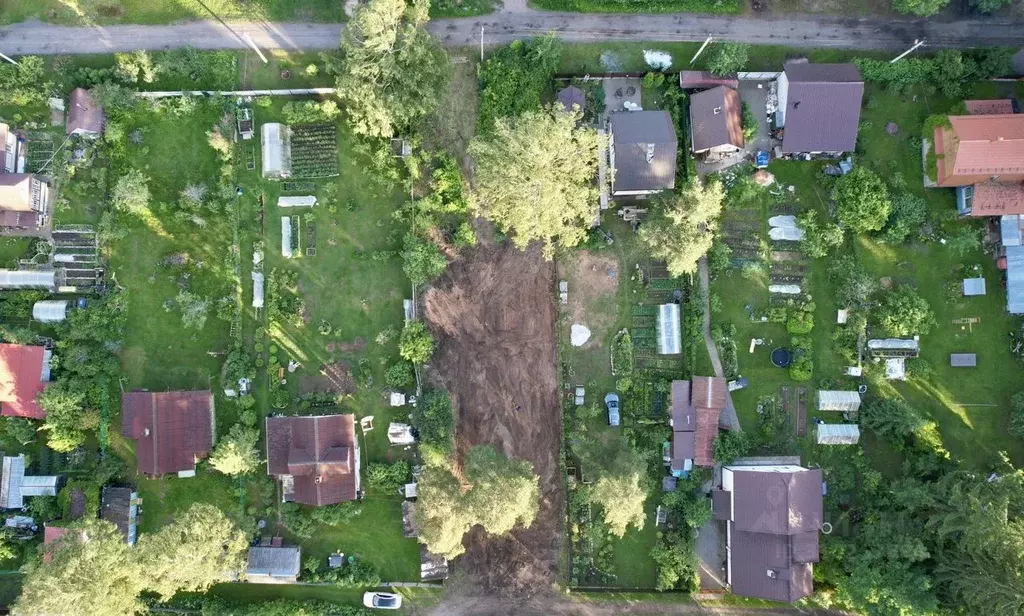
(773, 515)
(642, 152)
(572, 98)
(85, 117)
(316, 459)
(699, 80)
(819, 107)
(695, 406)
(172, 429)
(716, 121)
(989, 107)
(24, 374)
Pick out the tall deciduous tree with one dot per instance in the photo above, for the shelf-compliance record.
(620, 491)
(535, 176)
(863, 200)
(497, 493)
(66, 416)
(92, 571)
(235, 453)
(390, 71)
(902, 312)
(682, 228)
(131, 192)
(198, 549)
(892, 419)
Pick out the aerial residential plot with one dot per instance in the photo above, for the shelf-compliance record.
(391, 328)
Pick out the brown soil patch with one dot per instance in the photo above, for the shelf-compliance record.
(77, 504)
(494, 319)
(347, 347)
(593, 283)
(334, 378)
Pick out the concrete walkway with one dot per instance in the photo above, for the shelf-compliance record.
(517, 21)
(728, 419)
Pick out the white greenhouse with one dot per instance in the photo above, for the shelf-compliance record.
(301, 201)
(286, 237)
(50, 310)
(28, 279)
(838, 400)
(838, 434)
(669, 337)
(276, 147)
(257, 289)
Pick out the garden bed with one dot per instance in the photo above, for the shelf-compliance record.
(314, 151)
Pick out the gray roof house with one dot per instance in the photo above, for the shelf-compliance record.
(642, 153)
(773, 514)
(716, 122)
(273, 564)
(819, 107)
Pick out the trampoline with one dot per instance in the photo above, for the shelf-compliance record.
(781, 357)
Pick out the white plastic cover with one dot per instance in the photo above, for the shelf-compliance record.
(669, 335)
(50, 310)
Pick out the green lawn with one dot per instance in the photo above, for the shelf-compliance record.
(412, 598)
(167, 11)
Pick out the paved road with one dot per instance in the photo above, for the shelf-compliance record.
(797, 31)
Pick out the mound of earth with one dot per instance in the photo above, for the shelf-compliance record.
(493, 316)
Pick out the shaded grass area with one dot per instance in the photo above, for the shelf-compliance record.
(375, 536)
(412, 598)
(12, 249)
(105, 12)
(166, 497)
(584, 58)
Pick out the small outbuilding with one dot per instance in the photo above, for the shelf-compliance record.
(838, 434)
(963, 360)
(832, 400)
(669, 335)
(716, 124)
(432, 566)
(572, 98)
(85, 117)
(50, 310)
(273, 565)
(974, 286)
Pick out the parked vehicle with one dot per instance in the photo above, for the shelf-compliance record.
(611, 401)
(382, 600)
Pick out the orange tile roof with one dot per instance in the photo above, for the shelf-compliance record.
(986, 145)
(994, 199)
(21, 380)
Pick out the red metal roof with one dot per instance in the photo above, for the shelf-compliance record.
(84, 114)
(172, 429)
(694, 80)
(992, 107)
(21, 380)
(995, 199)
(319, 453)
(50, 535)
(980, 147)
(707, 430)
(709, 392)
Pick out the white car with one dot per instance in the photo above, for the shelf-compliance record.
(382, 600)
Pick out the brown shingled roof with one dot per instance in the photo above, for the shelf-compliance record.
(84, 115)
(684, 416)
(716, 119)
(777, 502)
(707, 430)
(172, 429)
(709, 392)
(319, 453)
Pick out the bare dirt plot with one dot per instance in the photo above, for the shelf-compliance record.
(493, 316)
(593, 284)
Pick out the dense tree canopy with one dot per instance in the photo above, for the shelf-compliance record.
(921, 8)
(102, 575)
(621, 491)
(682, 227)
(862, 199)
(820, 237)
(235, 453)
(390, 71)
(416, 344)
(131, 192)
(498, 493)
(66, 416)
(198, 549)
(535, 177)
(902, 312)
(727, 58)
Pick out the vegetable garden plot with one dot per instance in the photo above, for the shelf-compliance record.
(314, 151)
(39, 150)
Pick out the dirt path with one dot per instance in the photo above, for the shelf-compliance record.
(493, 315)
(518, 21)
(729, 418)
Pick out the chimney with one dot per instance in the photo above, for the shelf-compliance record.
(718, 110)
(796, 104)
(650, 153)
(145, 432)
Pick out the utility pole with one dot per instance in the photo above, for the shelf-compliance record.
(707, 42)
(252, 43)
(917, 43)
(8, 59)
(481, 43)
